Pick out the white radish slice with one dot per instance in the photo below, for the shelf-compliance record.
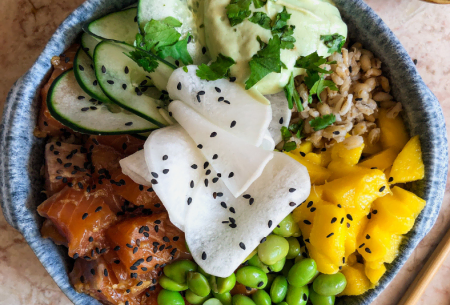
(135, 167)
(267, 143)
(238, 162)
(221, 231)
(281, 115)
(176, 166)
(244, 113)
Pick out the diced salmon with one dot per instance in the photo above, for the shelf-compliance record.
(48, 230)
(124, 144)
(81, 217)
(102, 157)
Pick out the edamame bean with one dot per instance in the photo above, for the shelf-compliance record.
(318, 299)
(278, 266)
(224, 298)
(287, 227)
(297, 295)
(279, 289)
(171, 285)
(240, 299)
(167, 297)
(270, 278)
(256, 262)
(273, 249)
(294, 248)
(300, 257)
(221, 285)
(178, 270)
(252, 277)
(330, 284)
(213, 302)
(287, 266)
(261, 298)
(302, 272)
(283, 303)
(194, 299)
(198, 283)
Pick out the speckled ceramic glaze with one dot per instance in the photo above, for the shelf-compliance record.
(21, 154)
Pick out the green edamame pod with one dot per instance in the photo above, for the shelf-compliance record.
(270, 278)
(252, 277)
(283, 303)
(287, 266)
(171, 285)
(278, 266)
(178, 270)
(287, 227)
(297, 295)
(240, 299)
(221, 285)
(302, 272)
(273, 249)
(279, 288)
(213, 302)
(224, 298)
(294, 248)
(330, 284)
(261, 297)
(194, 299)
(318, 299)
(167, 297)
(198, 283)
(256, 262)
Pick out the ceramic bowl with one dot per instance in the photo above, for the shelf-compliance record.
(22, 154)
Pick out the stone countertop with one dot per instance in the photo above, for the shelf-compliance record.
(424, 30)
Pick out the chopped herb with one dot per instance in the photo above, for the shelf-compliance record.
(297, 129)
(288, 146)
(217, 70)
(238, 10)
(334, 42)
(292, 95)
(161, 33)
(185, 69)
(320, 123)
(282, 29)
(177, 51)
(262, 19)
(144, 60)
(265, 61)
(259, 3)
(322, 85)
(285, 133)
(312, 62)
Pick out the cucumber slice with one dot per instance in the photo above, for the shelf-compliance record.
(120, 78)
(88, 43)
(120, 26)
(69, 104)
(83, 67)
(188, 12)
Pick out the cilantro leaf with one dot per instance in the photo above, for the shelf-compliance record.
(280, 21)
(312, 62)
(282, 29)
(262, 19)
(177, 51)
(297, 129)
(265, 61)
(334, 42)
(320, 123)
(218, 69)
(160, 33)
(312, 78)
(292, 95)
(288, 146)
(144, 60)
(321, 85)
(285, 133)
(238, 10)
(259, 3)
(287, 40)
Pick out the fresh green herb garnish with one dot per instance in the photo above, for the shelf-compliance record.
(177, 51)
(144, 60)
(320, 123)
(334, 42)
(217, 70)
(297, 129)
(321, 85)
(259, 3)
(286, 135)
(238, 10)
(185, 69)
(312, 62)
(265, 61)
(292, 95)
(262, 19)
(282, 29)
(288, 146)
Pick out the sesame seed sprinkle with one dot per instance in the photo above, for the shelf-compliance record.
(329, 235)
(85, 215)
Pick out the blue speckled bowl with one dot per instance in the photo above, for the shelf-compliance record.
(22, 154)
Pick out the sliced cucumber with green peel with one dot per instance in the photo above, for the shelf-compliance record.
(119, 26)
(83, 67)
(121, 78)
(69, 104)
(88, 43)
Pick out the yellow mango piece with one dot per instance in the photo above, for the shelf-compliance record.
(325, 157)
(303, 215)
(340, 169)
(377, 244)
(393, 249)
(398, 211)
(354, 229)
(314, 158)
(304, 147)
(382, 160)
(408, 166)
(393, 131)
(357, 191)
(371, 149)
(374, 275)
(328, 235)
(352, 259)
(357, 281)
(324, 263)
(387, 173)
(349, 156)
(317, 174)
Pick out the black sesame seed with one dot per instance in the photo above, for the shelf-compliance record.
(105, 272)
(233, 124)
(269, 224)
(215, 156)
(218, 89)
(110, 82)
(349, 217)
(129, 246)
(154, 181)
(85, 215)
(135, 250)
(362, 245)
(200, 146)
(220, 99)
(223, 204)
(232, 79)
(415, 61)
(91, 239)
(251, 201)
(247, 196)
(329, 235)
(375, 212)
(75, 256)
(313, 209)
(260, 284)
(367, 236)
(292, 204)
(198, 98)
(306, 222)
(339, 206)
(208, 172)
(368, 250)
(333, 220)
(189, 201)
(155, 175)
(348, 225)
(391, 179)
(204, 50)
(194, 166)
(81, 97)
(103, 69)
(85, 109)
(263, 240)
(204, 256)
(369, 216)
(213, 134)
(124, 86)
(309, 204)
(128, 123)
(206, 182)
(242, 245)
(291, 190)
(201, 93)
(93, 271)
(302, 154)
(227, 102)
(336, 132)
(231, 175)
(192, 184)
(382, 188)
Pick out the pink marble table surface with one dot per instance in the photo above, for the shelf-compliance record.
(26, 25)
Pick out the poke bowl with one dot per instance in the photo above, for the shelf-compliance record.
(222, 152)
